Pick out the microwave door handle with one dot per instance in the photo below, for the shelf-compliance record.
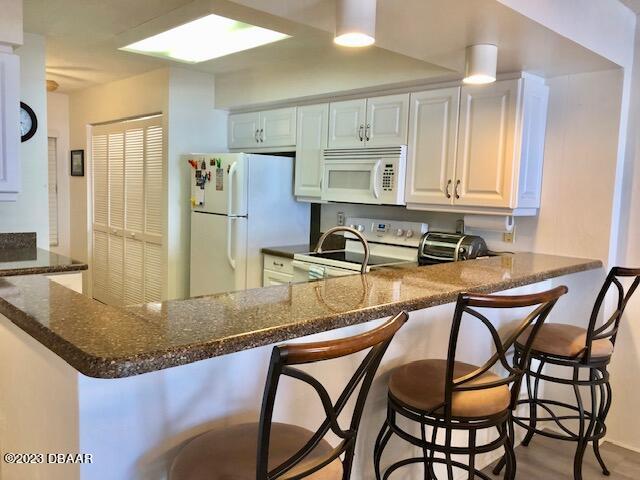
(230, 178)
(376, 170)
(230, 227)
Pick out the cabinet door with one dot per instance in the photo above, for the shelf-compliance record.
(243, 130)
(346, 124)
(313, 131)
(9, 126)
(387, 120)
(484, 166)
(277, 128)
(271, 278)
(432, 146)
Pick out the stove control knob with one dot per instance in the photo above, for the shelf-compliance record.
(399, 232)
(360, 228)
(409, 233)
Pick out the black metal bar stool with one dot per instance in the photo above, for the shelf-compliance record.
(587, 353)
(451, 396)
(267, 450)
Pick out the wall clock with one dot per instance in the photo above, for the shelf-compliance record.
(28, 122)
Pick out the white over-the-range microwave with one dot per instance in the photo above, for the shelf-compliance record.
(364, 175)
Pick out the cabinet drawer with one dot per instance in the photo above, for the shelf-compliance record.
(270, 278)
(278, 264)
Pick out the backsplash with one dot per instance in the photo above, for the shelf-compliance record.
(437, 221)
(524, 231)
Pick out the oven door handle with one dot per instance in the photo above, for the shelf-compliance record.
(376, 174)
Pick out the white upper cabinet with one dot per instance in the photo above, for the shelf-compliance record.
(243, 130)
(278, 128)
(347, 123)
(431, 156)
(387, 120)
(494, 166)
(484, 171)
(371, 122)
(313, 131)
(9, 126)
(267, 129)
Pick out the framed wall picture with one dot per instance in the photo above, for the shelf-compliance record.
(77, 163)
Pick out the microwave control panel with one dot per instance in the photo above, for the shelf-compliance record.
(387, 177)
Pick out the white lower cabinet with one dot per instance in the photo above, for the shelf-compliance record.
(313, 131)
(277, 270)
(485, 156)
(270, 278)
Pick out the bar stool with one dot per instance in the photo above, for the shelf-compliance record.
(581, 350)
(458, 397)
(267, 450)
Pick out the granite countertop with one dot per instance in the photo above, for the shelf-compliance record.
(287, 251)
(31, 260)
(109, 342)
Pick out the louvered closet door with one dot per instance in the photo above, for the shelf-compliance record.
(100, 267)
(128, 161)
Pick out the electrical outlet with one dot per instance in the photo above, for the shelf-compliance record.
(341, 219)
(508, 237)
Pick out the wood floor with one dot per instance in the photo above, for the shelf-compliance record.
(547, 459)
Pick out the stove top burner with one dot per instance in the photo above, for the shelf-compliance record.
(356, 258)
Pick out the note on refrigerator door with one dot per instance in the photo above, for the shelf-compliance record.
(199, 196)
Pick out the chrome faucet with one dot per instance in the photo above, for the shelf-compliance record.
(353, 231)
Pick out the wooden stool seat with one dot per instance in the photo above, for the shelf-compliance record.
(421, 385)
(226, 454)
(562, 340)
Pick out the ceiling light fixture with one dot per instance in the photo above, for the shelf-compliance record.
(206, 38)
(481, 64)
(355, 23)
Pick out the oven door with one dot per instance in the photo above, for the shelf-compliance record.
(353, 181)
(309, 272)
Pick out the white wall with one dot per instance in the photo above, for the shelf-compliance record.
(323, 72)
(58, 127)
(187, 100)
(193, 126)
(11, 22)
(607, 28)
(625, 369)
(135, 96)
(29, 213)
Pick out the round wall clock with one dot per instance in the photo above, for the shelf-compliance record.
(28, 122)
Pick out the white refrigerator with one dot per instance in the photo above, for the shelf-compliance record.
(240, 203)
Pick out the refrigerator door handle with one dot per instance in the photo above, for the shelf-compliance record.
(232, 174)
(230, 226)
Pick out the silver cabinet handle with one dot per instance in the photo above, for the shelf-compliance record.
(256, 136)
(447, 189)
(366, 132)
(456, 189)
(278, 264)
(261, 135)
(361, 133)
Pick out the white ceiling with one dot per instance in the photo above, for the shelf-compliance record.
(83, 37)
